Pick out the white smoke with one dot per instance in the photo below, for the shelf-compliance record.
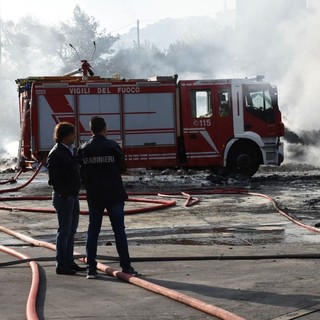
(277, 38)
(23, 54)
(300, 94)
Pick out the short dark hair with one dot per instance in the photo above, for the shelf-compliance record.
(97, 124)
(63, 130)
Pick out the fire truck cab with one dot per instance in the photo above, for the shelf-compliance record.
(233, 124)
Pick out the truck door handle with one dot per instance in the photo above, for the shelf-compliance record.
(193, 136)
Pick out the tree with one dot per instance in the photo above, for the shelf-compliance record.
(204, 53)
(81, 31)
(138, 62)
(28, 47)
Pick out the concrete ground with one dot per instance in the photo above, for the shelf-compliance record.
(235, 228)
(252, 289)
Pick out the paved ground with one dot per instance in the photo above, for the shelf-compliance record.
(228, 226)
(253, 289)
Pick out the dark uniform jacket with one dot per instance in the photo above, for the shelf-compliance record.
(102, 163)
(64, 171)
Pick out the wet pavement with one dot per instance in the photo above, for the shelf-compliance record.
(232, 251)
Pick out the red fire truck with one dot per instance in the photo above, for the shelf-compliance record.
(233, 124)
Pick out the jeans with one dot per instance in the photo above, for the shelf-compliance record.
(116, 216)
(68, 219)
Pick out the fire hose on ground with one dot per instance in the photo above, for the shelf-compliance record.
(195, 303)
(25, 184)
(156, 205)
(13, 179)
(187, 300)
(31, 311)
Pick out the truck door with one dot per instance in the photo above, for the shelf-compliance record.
(260, 110)
(224, 117)
(103, 105)
(207, 122)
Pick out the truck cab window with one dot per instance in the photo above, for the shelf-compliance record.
(224, 103)
(201, 104)
(258, 102)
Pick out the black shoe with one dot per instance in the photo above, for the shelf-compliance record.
(317, 225)
(131, 271)
(65, 270)
(92, 274)
(76, 268)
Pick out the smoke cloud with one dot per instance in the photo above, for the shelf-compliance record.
(24, 48)
(277, 38)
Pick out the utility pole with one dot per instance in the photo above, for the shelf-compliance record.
(138, 34)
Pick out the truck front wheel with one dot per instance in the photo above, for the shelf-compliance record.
(243, 159)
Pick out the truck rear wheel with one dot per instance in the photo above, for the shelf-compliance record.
(243, 159)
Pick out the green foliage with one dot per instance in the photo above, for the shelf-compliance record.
(81, 31)
(32, 48)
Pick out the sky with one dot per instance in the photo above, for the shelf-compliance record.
(115, 16)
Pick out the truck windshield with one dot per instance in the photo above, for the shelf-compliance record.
(260, 102)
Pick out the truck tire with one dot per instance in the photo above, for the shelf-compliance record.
(243, 159)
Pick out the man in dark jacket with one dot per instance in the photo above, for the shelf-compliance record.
(102, 163)
(64, 177)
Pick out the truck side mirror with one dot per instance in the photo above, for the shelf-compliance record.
(274, 95)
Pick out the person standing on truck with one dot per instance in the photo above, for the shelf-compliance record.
(102, 163)
(64, 177)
